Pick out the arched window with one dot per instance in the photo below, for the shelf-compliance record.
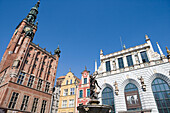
(132, 97)
(108, 98)
(161, 93)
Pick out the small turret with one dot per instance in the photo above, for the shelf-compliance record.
(101, 52)
(160, 51)
(149, 42)
(57, 51)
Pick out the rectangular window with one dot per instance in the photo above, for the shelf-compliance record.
(120, 61)
(81, 94)
(71, 91)
(71, 81)
(30, 81)
(20, 78)
(85, 80)
(24, 103)
(66, 82)
(129, 60)
(44, 102)
(13, 100)
(65, 92)
(144, 57)
(34, 106)
(39, 84)
(64, 103)
(88, 92)
(108, 66)
(47, 87)
(71, 103)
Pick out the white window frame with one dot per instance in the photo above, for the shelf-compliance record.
(72, 92)
(65, 92)
(64, 103)
(71, 103)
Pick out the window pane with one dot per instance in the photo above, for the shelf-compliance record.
(129, 60)
(161, 95)
(108, 66)
(120, 61)
(107, 98)
(144, 57)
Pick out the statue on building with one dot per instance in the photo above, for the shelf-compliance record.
(167, 50)
(93, 88)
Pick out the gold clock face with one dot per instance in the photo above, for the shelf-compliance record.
(27, 29)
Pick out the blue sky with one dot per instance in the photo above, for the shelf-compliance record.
(83, 27)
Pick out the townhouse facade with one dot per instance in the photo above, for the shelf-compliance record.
(67, 100)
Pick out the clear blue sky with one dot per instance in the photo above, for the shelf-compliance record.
(83, 27)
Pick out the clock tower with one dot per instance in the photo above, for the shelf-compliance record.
(27, 71)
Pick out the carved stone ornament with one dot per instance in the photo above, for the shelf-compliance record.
(13, 75)
(116, 88)
(142, 83)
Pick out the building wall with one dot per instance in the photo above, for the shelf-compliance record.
(157, 67)
(23, 56)
(68, 97)
(56, 95)
(82, 86)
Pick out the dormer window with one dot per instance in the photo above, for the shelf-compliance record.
(71, 81)
(144, 57)
(120, 61)
(129, 60)
(108, 66)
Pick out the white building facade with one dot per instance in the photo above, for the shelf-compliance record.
(135, 80)
(55, 99)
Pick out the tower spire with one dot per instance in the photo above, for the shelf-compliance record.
(95, 65)
(160, 51)
(32, 15)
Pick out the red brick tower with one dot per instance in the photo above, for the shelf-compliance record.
(27, 72)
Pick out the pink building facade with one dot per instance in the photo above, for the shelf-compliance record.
(83, 90)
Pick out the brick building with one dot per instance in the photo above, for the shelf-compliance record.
(27, 71)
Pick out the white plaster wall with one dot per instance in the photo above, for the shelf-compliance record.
(146, 97)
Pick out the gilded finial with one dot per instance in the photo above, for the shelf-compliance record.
(124, 47)
(85, 68)
(146, 37)
(167, 50)
(101, 52)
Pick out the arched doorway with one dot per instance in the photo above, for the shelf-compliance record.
(132, 97)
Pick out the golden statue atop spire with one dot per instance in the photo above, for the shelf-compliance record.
(167, 50)
(146, 37)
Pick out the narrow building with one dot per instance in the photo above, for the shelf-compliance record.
(135, 80)
(56, 94)
(83, 93)
(67, 100)
(27, 71)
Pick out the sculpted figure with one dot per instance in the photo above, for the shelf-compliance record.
(93, 88)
